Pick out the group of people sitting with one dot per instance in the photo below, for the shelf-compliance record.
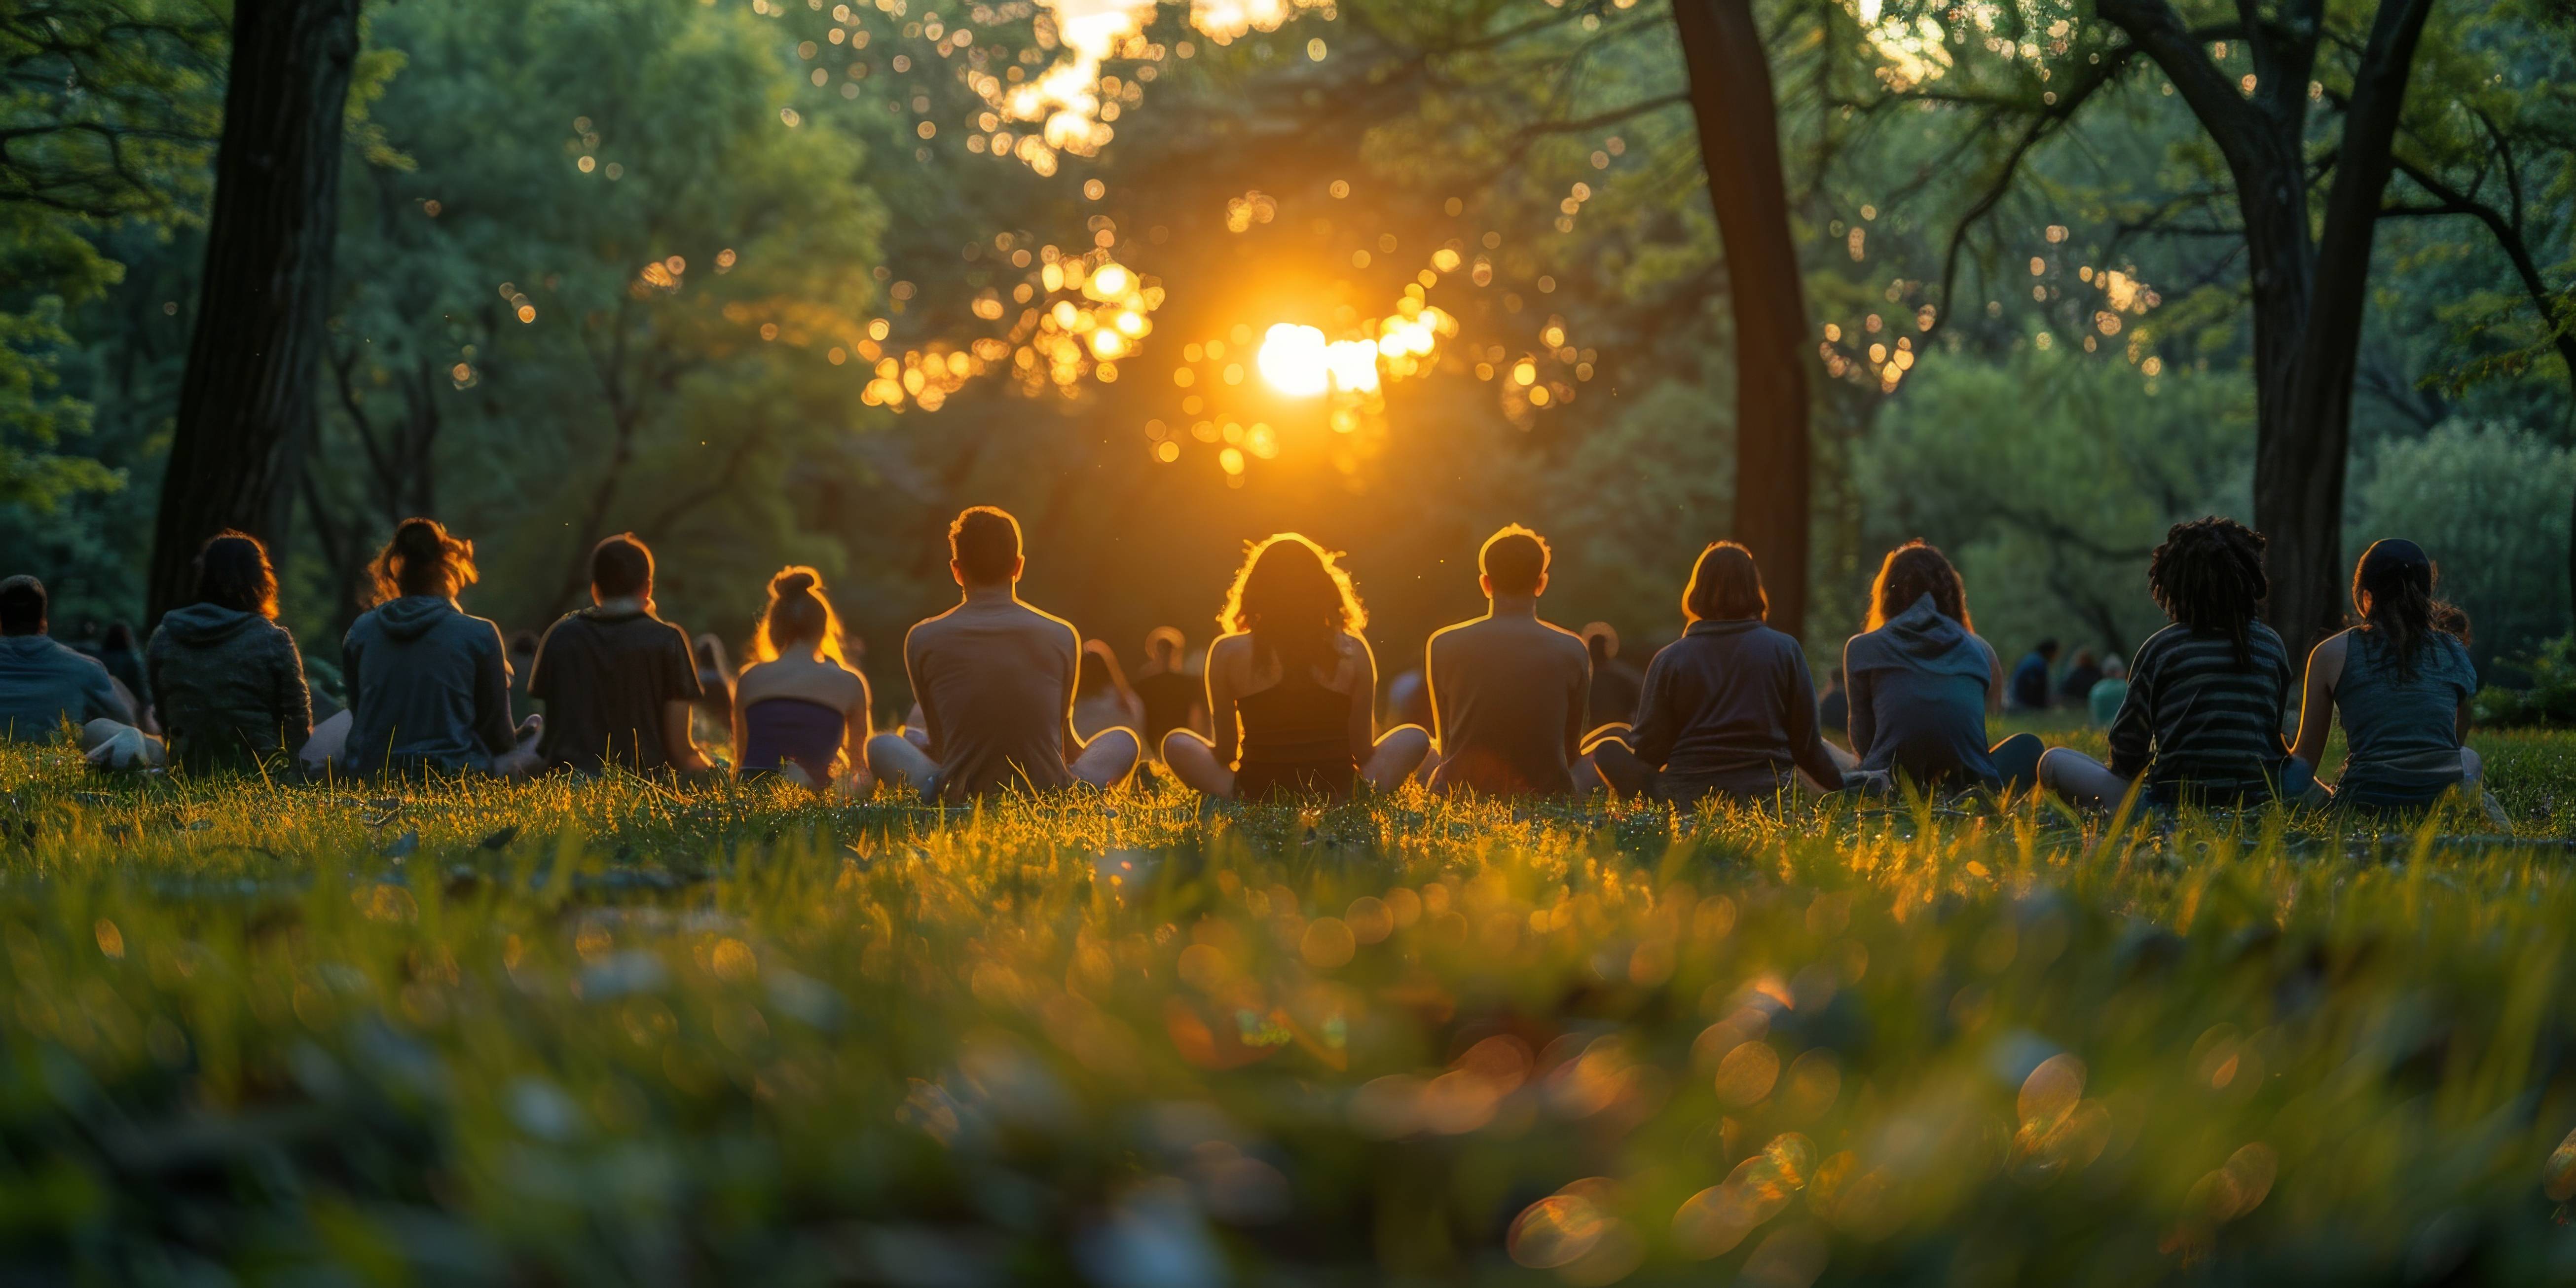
(1008, 697)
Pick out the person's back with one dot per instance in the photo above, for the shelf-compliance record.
(994, 677)
(123, 661)
(1296, 732)
(1919, 686)
(44, 683)
(230, 686)
(2028, 689)
(802, 711)
(605, 674)
(2401, 721)
(2103, 702)
(1615, 681)
(1510, 693)
(1170, 698)
(428, 685)
(2200, 721)
(1720, 708)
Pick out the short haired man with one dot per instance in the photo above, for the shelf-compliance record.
(1509, 692)
(618, 682)
(1173, 698)
(44, 683)
(993, 678)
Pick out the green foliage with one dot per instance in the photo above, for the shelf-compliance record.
(2490, 504)
(2548, 701)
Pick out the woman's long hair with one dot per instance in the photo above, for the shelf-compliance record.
(798, 617)
(1910, 572)
(1725, 586)
(422, 559)
(233, 572)
(2398, 580)
(1292, 597)
(2208, 576)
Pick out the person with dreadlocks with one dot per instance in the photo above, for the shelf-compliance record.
(2402, 685)
(2207, 695)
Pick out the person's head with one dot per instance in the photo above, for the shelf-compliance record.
(2085, 657)
(2452, 620)
(2114, 669)
(1910, 572)
(232, 572)
(799, 621)
(1725, 586)
(2047, 650)
(1099, 671)
(121, 637)
(1833, 679)
(1163, 647)
(2208, 577)
(22, 606)
(1513, 564)
(422, 559)
(1601, 640)
(523, 643)
(1293, 598)
(621, 567)
(2392, 590)
(984, 547)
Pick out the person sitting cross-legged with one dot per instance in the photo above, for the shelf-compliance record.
(44, 684)
(229, 679)
(1508, 691)
(994, 681)
(1728, 709)
(801, 708)
(1922, 682)
(2402, 687)
(619, 683)
(429, 685)
(1293, 688)
(2201, 723)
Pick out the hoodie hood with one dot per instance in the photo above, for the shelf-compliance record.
(413, 616)
(26, 645)
(199, 625)
(1921, 639)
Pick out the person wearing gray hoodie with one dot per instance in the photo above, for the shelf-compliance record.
(228, 678)
(429, 686)
(1921, 682)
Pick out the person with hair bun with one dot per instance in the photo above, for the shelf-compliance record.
(800, 709)
(1921, 682)
(2401, 684)
(2207, 695)
(619, 683)
(1508, 690)
(429, 686)
(229, 680)
(1729, 709)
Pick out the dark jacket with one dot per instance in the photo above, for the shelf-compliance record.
(1730, 707)
(1918, 698)
(43, 684)
(428, 687)
(231, 687)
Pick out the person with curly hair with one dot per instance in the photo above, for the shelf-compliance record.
(2208, 695)
(2402, 685)
(1293, 687)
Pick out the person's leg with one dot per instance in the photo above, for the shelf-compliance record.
(1619, 769)
(1192, 758)
(894, 759)
(2299, 785)
(2080, 780)
(2473, 780)
(329, 743)
(1108, 758)
(118, 745)
(1398, 751)
(2016, 761)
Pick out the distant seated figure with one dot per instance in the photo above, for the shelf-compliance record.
(1615, 682)
(1833, 710)
(230, 679)
(994, 680)
(117, 653)
(2029, 691)
(618, 682)
(2207, 695)
(429, 687)
(1101, 698)
(1173, 698)
(713, 715)
(800, 708)
(523, 666)
(1293, 688)
(2102, 703)
(2082, 674)
(2401, 685)
(1922, 681)
(44, 684)
(1728, 709)
(1509, 691)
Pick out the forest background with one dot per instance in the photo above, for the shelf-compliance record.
(770, 284)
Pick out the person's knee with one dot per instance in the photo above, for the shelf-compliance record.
(1182, 744)
(885, 754)
(2472, 768)
(1118, 748)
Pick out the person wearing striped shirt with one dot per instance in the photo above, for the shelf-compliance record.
(2208, 695)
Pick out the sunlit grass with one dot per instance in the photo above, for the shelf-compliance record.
(609, 1031)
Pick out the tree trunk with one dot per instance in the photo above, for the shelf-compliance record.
(247, 398)
(1739, 144)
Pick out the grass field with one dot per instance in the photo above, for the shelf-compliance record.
(606, 1032)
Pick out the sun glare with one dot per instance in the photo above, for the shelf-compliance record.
(1297, 362)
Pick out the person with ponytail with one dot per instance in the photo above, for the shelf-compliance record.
(229, 680)
(1729, 709)
(2401, 684)
(1922, 681)
(800, 709)
(2207, 695)
(429, 685)
(619, 683)
(1293, 688)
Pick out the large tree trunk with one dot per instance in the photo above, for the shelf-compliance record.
(1739, 144)
(247, 399)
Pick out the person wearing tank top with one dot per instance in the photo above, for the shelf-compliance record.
(1292, 687)
(800, 710)
(2402, 687)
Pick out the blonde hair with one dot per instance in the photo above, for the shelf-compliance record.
(797, 614)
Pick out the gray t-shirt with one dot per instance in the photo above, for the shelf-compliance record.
(995, 681)
(1509, 694)
(43, 683)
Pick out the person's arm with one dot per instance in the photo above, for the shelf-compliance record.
(1069, 667)
(680, 694)
(857, 725)
(1431, 688)
(110, 699)
(1806, 740)
(1657, 724)
(492, 695)
(1363, 725)
(289, 697)
(1995, 686)
(2133, 732)
(1225, 732)
(1860, 706)
(1578, 707)
(2316, 697)
(152, 655)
